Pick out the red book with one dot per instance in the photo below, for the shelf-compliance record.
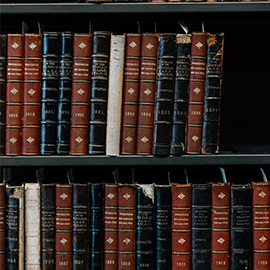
(261, 225)
(2, 226)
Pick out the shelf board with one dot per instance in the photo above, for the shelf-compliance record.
(141, 8)
(135, 160)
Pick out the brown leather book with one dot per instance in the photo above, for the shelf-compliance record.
(261, 225)
(126, 226)
(130, 93)
(110, 226)
(181, 226)
(221, 226)
(14, 91)
(82, 64)
(63, 226)
(196, 92)
(147, 92)
(31, 94)
(2, 226)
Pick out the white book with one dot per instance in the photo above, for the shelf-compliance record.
(114, 107)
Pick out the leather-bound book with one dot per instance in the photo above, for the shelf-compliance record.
(126, 226)
(181, 226)
(2, 226)
(47, 194)
(49, 92)
(31, 94)
(115, 89)
(196, 92)
(63, 226)
(14, 91)
(261, 225)
(147, 92)
(32, 225)
(212, 98)
(145, 227)
(130, 94)
(241, 226)
(3, 71)
(96, 226)
(164, 94)
(180, 102)
(15, 227)
(163, 227)
(80, 237)
(221, 194)
(64, 94)
(82, 64)
(110, 227)
(99, 92)
(201, 205)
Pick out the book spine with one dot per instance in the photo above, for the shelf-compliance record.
(126, 226)
(99, 92)
(241, 222)
(31, 94)
(63, 226)
(110, 227)
(196, 92)
(130, 93)
(212, 98)
(47, 193)
(80, 237)
(64, 95)
(32, 226)
(201, 205)
(163, 227)
(181, 226)
(14, 90)
(220, 226)
(261, 225)
(180, 102)
(3, 72)
(164, 94)
(49, 92)
(147, 92)
(82, 64)
(145, 224)
(115, 89)
(2, 226)
(97, 226)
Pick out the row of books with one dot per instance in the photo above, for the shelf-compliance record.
(135, 226)
(100, 93)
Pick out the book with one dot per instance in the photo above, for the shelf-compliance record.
(241, 226)
(145, 227)
(164, 94)
(64, 94)
(49, 92)
(130, 93)
(261, 225)
(14, 91)
(82, 64)
(99, 92)
(221, 208)
(212, 98)
(115, 89)
(2, 225)
(181, 226)
(32, 226)
(181, 89)
(147, 92)
(63, 226)
(3, 71)
(31, 94)
(201, 206)
(47, 208)
(196, 92)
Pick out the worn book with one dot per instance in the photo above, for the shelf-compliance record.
(2, 225)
